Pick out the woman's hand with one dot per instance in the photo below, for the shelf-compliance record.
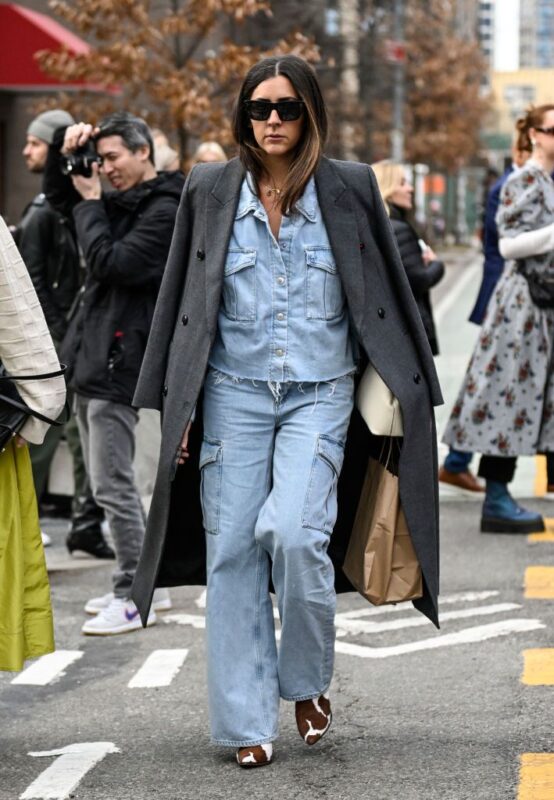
(185, 445)
(429, 255)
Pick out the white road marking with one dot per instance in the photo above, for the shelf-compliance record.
(159, 669)
(201, 600)
(353, 626)
(469, 636)
(60, 779)
(186, 619)
(457, 597)
(48, 668)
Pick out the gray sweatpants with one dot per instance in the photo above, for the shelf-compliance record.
(107, 432)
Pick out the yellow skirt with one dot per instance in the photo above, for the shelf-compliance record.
(26, 627)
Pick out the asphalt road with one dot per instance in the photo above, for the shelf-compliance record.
(418, 714)
(448, 723)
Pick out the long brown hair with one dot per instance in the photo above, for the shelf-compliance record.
(310, 147)
(534, 117)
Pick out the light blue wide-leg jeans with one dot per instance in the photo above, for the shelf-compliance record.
(270, 463)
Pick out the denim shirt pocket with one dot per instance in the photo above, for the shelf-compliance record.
(239, 285)
(324, 292)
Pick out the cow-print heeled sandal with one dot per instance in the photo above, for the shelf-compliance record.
(313, 718)
(258, 755)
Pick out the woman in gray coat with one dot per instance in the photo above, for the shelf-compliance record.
(282, 278)
(506, 404)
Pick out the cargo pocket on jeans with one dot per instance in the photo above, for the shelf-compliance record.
(320, 506)
(210, 483)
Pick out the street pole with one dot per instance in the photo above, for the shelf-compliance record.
(350, 78)
(397, 135)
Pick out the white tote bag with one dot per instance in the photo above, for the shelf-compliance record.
(378, 406)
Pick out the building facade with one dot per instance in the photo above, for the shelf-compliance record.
(537, 34)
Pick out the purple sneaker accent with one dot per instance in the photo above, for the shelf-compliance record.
(131, 615)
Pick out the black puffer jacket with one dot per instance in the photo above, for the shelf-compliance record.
(420, 275)
(46, 241)
(125, 239)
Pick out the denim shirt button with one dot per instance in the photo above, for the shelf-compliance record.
(280, 316)
(280, 280)
(279, 352)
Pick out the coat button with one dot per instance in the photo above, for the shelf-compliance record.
(417, 377)
(164, 391)
(381, 313)
(200, 255)
(185, 319)
(362, 246)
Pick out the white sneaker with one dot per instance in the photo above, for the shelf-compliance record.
(46, 540)
(120, 616)
(160, 602)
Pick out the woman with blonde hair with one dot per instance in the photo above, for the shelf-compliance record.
(423, 268)
(26, 350)
(209, 152)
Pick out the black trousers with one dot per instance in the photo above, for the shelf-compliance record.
(502, 469)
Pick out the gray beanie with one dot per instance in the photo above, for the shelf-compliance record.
(45, 124)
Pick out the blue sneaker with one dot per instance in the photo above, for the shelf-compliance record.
(501, 513)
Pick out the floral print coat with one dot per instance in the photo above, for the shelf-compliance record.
(506, 403)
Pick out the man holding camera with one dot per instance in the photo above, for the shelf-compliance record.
(125, 236)
(46, 240)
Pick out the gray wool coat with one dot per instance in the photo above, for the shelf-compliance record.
(384, 318)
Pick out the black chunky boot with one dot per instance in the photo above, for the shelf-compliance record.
(90, 541)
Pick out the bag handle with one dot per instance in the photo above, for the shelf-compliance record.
(28, 410)
(44, 376)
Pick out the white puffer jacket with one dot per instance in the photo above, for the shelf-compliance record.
(26, 347)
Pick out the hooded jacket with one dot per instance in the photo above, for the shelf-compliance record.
(46, 241)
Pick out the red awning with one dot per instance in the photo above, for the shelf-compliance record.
(24, 32)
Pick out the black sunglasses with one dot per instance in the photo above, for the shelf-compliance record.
(288, 110)
(548, 131)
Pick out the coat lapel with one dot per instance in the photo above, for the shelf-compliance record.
(221, 207)
(340, 222)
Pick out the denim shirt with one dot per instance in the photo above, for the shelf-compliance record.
(283, 315)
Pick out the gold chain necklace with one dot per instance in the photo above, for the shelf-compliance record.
(271, 190)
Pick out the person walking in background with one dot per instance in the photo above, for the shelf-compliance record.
(209, 152)
(506, 404)
(26, 629)
(455, 470)
(46, 240)
(166, 159)
(283, 273)
(423, 268)
(125, 237)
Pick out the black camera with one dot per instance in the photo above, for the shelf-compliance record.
(80, 161)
